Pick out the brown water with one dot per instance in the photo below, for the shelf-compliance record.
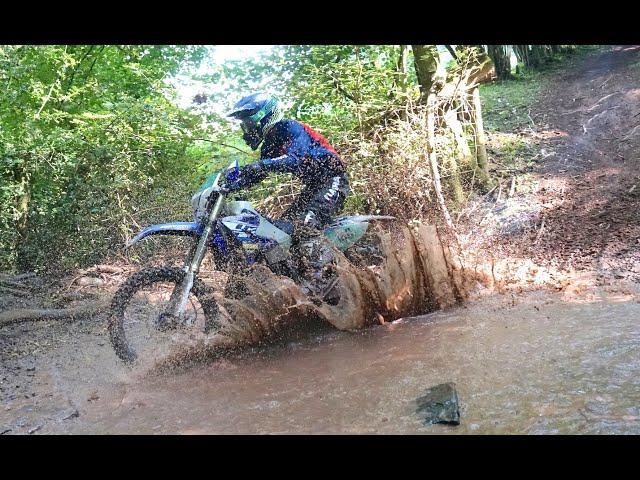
(531, 364)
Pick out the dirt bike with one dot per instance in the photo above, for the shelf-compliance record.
(237, 237)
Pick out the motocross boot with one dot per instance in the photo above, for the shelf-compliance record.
(312, 255)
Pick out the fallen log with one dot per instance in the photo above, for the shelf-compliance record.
(6, 282)
(20, 292)
(35, 314)
(102, 269)
(17, 278)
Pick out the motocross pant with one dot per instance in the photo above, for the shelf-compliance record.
(317, 205)
(312, 210)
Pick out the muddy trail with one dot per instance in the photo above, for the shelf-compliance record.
(588, 180)
(526, 364)
(545, 342)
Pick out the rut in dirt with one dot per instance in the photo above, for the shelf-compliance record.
(590, 181)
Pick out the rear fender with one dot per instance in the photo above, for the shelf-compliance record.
(346, 231)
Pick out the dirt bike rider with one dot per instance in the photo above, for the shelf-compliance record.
(290, 146)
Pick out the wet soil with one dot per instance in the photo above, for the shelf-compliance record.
(588, 182)
(537, 363)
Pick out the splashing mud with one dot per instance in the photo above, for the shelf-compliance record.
(415, 275)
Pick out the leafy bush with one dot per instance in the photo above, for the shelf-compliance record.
(86, 132)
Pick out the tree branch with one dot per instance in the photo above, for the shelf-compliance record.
(451, 51)
(75, 70)
(46, 100)
(340, 88)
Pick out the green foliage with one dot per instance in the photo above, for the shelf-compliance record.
(340, 89)
(93, 146)
(85, 130)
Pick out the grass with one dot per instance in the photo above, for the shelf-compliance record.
(513, 149)
(506, 111)
(506, 104)
(507, 107)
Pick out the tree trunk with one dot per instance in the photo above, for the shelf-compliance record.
(433, 162)
(500, 56)
(25, 314)
(426, 64)
(451, 51)
(454, 182)
(522, 54)
(400, 76)
(480, 141)
(479, 65)
(539, 55)
(463, 153)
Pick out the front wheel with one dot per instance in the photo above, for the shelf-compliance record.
(138, 325)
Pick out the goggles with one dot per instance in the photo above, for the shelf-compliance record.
(248, 126)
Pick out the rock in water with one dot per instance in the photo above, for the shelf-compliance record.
(439, 405)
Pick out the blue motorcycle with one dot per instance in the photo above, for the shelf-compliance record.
(156, 302)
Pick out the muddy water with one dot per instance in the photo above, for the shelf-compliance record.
(529, 365)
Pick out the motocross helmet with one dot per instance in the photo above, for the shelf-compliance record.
(258, 112)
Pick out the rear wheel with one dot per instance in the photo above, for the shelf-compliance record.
(139, 328)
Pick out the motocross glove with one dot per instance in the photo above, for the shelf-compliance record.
(246, 177)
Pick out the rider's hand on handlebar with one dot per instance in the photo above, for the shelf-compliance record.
(224, 189)
(231, 181)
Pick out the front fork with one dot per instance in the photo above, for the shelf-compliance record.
(180, 295)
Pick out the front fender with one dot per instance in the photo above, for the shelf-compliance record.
(174, 228)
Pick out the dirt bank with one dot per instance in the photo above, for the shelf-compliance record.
(584, 212)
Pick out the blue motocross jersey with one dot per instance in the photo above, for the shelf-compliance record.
(294, 147)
